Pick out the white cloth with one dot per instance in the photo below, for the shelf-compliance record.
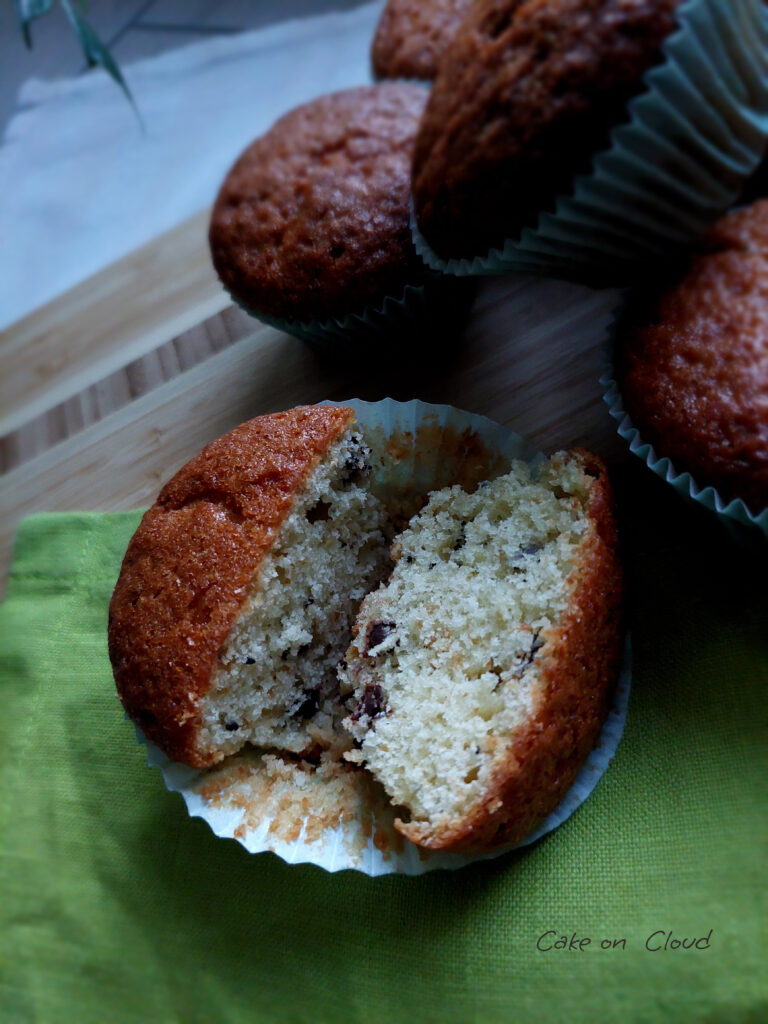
(82, 185)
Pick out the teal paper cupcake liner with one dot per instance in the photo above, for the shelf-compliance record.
(421, 318)
(693, 138)
(736, 517)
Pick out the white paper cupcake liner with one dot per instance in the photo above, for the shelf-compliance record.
(692, 139)
(345, 821)
(741, 522)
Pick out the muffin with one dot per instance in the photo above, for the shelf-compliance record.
(481, 671)
(238, 590)
(412, 35)
(312, 221)
(692, 362)
(525, 96)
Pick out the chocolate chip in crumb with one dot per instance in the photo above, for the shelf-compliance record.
(319, 513)
(309, 706)
(461, 540)
(356, 464)
(303, 650)
(378, 633)
(526, 658)
(370, 704)
(231, 726)
(249, 660)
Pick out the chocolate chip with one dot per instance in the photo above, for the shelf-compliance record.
(526, 658)
(231, 726)
(378, 633)
(461, 540)
(309, 706)
(370, 704)
(249, 661)
(303, 650)
(356, 464)
(319, 512)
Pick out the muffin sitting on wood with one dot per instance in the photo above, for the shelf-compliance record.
(526, 94)
(692, 362)
(312, 221)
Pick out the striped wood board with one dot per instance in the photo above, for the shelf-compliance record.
(109, 388)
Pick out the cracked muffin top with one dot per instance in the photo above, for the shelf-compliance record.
(693, 365)
(412, 36)
(525, 95)
(312, 221)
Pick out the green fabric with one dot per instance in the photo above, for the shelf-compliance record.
(116, 906)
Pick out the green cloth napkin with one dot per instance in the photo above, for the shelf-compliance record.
(116, 906)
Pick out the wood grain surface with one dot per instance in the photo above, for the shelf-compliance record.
(110, 388)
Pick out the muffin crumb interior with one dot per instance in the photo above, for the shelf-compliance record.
(444, 665)
(275, 683)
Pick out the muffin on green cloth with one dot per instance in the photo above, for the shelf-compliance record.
(691, 365)
(578, 131)
(310, 230)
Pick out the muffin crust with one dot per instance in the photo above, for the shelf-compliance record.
(412, 36)
(526, 94)
(187, 569)
(312, 221)
(693, 366)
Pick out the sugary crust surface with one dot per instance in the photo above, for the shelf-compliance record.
(188, 566)
(527, 92)
(578, 670)
(693, 364)
(312, 221)
(412, 36)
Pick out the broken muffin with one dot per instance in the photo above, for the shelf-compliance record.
(481, 672)
(238, 590)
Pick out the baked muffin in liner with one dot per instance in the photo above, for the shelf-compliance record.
(740, 522)
(693, 137)
(422, 317)
(338, 818)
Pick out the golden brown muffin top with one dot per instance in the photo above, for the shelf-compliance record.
(693, 365)
(526, 94)
(188, 567)
(312, 221)
(412, 35)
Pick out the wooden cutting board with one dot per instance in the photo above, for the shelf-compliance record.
(111, 387)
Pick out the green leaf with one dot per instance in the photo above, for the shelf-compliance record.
(96, 53)
(27, 11)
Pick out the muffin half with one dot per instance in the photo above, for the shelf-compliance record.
(238, 590)
(482, 670)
